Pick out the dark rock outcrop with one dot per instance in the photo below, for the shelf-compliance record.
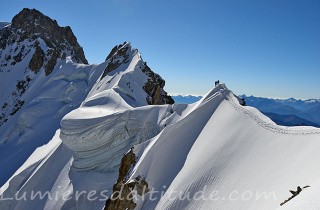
(124, 190)
(154, 88)
(37, 60)
(127, 162)
(60, 39)
(116, 57)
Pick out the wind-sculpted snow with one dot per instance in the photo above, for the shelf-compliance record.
(100, 143)
(114, 116)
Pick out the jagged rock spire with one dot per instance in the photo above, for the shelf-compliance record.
(35, 27)
(121, 55)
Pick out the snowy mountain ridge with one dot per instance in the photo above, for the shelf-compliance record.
(110, 101)
(288, 112)
(86, 133)
(206, 157)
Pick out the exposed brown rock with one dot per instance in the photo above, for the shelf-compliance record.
(154, 88)
(118, 53)
(123, 190)
(142, 187)
(121, 198)
(127, 162)
(35, 24)
(157, 98)
(37, 60)
(51, 63)
(114, 50)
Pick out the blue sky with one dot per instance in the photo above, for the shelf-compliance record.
(265, 48)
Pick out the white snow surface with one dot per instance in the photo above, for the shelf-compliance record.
(46, 100)
(234, 155)
(223, 155)
(214, 147)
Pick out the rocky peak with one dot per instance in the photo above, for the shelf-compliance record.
(121, 55)
(34, 23)
(29, 19)
(119, 50)
(32, 27)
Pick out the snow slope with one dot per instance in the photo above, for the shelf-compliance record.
(47, 100)
(38, 86)
(215, 146)
(98, 134)
(235, 151)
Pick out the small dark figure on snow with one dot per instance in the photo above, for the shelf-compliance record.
(217, 83)
(294, 194)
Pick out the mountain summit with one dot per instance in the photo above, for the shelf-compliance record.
(32, 29)
(122, 55)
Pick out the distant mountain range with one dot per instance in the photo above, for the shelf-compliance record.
(288, 112)
(186, 99)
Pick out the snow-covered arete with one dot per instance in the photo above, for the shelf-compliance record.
(213, 146)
